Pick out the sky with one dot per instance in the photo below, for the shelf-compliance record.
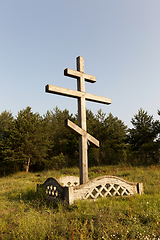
(118, 39)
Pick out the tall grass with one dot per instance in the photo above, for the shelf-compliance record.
(24, 215)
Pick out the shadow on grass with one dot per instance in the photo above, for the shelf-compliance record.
(31, 198)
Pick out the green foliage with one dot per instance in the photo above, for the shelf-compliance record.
(111, 132)
(143, 138)
(59, 161)
(62, 140)
(36, 143)
(6, 123)
(26, 140)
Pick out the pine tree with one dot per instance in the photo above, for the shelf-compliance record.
(62, 140)
(6, 123)
(27, 143)
(111, 132)
(142, 137)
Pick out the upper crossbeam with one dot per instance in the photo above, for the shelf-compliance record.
(76, 74)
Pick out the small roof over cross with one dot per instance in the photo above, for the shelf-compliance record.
(81, 95)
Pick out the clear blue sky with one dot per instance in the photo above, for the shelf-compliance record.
(119, 40)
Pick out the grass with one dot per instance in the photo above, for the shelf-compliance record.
(24, 215)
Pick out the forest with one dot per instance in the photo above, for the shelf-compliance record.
(32, 142)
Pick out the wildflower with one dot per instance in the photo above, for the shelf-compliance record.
(100, 215)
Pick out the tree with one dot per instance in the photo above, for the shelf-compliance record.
(158, 137)
(27, 143)
(111, 132)
(114, 144)
(6, 123)
(62, 139)
(6, 119)
(143, 137)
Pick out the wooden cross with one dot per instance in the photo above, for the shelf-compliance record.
(81, 95)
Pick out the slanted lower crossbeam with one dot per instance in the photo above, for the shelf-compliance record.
(81, 132)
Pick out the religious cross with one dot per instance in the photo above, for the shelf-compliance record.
(81, 95)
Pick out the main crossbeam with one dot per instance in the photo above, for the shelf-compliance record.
(76, 94)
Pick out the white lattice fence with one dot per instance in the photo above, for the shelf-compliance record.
(105, 190)
(104, 186)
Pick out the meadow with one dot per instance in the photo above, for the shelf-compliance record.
(25, 215)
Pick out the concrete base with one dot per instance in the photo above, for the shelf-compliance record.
(103, 186)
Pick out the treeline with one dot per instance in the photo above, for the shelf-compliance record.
(33, 142)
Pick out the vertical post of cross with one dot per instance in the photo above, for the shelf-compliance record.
(83, 157)
(81, 95)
